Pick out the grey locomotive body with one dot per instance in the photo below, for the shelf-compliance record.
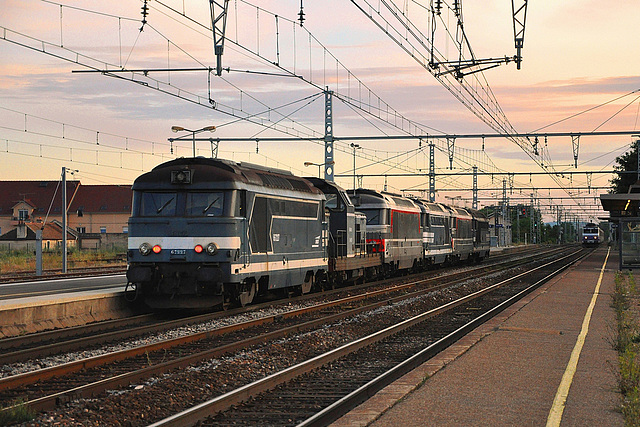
(206, 232)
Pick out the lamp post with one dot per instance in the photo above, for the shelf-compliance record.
(64, 216)
(193, 133)
(355, 147)
(319, 165)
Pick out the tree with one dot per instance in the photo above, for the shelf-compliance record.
(628, 162)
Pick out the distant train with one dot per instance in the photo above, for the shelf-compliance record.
(592, 234)
(209, 232)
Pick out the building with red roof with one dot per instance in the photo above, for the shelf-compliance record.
(94, 211)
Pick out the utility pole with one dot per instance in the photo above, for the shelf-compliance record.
(329, 161)
(518, 222)
(355, 147)
(39, 252)
(432, 173)
(64, 219)
(531, 219)
(474, 204)
(638, 153)
(503, 212)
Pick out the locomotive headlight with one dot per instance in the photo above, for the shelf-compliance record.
(198, 249)
(212, 249)
(157, 249)
(145, 249)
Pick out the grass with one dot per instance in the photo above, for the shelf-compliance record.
(627, 343)
(21, 261)
(19, 412)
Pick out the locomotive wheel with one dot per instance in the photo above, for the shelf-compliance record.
(248, 295)
(227, 302)
(307, 284)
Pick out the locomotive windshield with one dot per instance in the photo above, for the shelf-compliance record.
(205, 204)
(158, 204)
(375, 216)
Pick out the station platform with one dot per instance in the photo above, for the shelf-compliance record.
(19, 316)
(547, 360)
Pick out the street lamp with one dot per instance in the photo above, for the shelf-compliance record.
(319, 165)
(193, 133)
(355, 147)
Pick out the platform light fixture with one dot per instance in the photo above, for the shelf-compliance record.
(319, 165)
(193, 134)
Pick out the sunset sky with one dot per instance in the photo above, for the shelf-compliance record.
(577, 55)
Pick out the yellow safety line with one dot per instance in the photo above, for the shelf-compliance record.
(555, 414)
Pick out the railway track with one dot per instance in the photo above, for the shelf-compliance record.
(143, 362)
(58, 274)
(61, 340)
(320, 390)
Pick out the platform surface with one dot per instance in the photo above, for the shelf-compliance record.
(508, 372)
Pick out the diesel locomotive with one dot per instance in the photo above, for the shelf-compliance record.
(210, 232)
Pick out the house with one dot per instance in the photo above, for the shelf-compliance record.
(96, 214)
(23, 237)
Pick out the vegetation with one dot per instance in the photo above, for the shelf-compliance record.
(12, 261)
(522, 225)
(16, 414)
(627, 344)
(626, 163)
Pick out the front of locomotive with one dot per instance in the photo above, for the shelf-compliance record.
(185, 230)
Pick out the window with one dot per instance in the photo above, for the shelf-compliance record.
(158, 204)
(125, 229)
(81, 230)
(333, 202)
(23, 214)
(103, 229)
(258, 230)
(405, 225)
(436, 220)
(375, 216)
(205, 204)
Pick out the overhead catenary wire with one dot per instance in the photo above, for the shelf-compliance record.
(310, 67)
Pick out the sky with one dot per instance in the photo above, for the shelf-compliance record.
(580, 62)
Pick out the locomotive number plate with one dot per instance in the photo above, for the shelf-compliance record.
(178, 252)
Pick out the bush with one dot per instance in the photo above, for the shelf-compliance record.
(627, 343)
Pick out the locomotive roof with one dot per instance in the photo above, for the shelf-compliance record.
(207, 170)
(323, 184)
(382, 198)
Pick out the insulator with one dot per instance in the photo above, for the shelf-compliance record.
(145, 13)
(457, 7)
(301, 14)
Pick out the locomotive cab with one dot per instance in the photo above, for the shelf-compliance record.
(347, 231)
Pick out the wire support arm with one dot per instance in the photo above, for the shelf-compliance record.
(218, 27)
